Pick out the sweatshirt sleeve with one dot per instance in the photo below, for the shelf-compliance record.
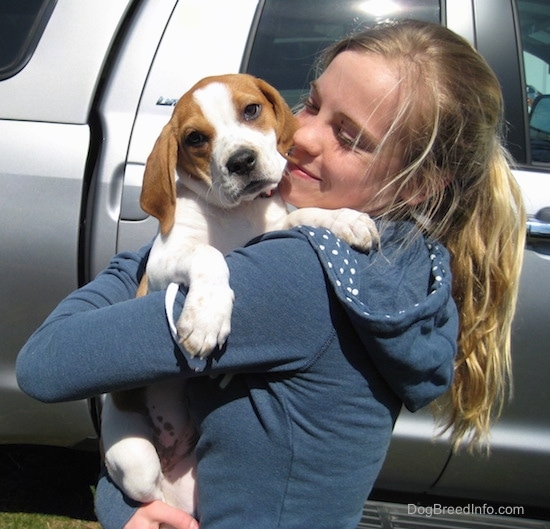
(102, 339)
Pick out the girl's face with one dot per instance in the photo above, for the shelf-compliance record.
(350, 108)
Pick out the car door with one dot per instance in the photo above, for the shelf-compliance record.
(51, 57)
(514, 36)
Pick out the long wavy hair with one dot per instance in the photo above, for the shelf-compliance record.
(450, 126)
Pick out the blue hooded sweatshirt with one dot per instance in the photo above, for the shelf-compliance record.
(327, 344)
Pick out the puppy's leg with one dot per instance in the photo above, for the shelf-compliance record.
(354, 227)
(206, 317)
(175, 440)
(130, 455)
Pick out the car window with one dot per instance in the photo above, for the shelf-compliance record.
(291, 33)
(534, 22)
(21, 25)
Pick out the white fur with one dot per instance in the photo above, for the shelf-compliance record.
(146, 459)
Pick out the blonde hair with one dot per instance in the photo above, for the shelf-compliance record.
(449, 124)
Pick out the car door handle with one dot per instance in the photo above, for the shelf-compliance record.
(133, 180)
(538, 230)
(538, 227)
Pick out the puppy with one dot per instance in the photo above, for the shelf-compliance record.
(211, 182)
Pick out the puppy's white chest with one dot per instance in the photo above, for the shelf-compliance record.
(199, 224)
(226, 229)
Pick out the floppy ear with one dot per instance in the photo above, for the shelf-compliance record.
(158, 193)
(286, 122)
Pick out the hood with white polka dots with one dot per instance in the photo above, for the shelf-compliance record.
(398, 298)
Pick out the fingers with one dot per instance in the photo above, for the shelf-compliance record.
(152, 515)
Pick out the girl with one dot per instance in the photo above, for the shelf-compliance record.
(404, 123)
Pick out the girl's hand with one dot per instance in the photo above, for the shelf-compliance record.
(152, 515)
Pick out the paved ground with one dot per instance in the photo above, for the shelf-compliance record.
(47, 480)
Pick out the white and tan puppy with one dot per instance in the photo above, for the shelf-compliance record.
(211, 182)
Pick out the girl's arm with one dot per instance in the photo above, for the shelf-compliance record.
(101, 338)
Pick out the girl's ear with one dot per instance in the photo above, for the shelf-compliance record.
(158, 194)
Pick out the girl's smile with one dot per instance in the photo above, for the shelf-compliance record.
(298, 172)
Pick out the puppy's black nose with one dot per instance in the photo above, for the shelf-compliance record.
(242, 162)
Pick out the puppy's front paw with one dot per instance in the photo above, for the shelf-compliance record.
(205, 321)
(354, 227)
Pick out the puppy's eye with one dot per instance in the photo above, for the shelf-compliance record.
(252, 111)
(195, 139)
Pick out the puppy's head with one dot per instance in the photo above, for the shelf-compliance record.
(225, 140)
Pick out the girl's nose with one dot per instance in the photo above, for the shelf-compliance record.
(307, 137)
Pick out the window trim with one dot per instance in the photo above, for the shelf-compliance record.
(497, 39)
(31, 41)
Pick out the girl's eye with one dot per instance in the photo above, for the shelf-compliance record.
(347, 139)
(354, 140)
(310, 105)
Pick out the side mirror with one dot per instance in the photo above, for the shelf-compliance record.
(539, 129)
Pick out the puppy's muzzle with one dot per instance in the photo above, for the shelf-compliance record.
(242, 162)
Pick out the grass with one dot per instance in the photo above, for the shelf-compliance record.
(42, 521)
(47, 488)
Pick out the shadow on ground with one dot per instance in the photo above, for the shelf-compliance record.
(48, 480)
